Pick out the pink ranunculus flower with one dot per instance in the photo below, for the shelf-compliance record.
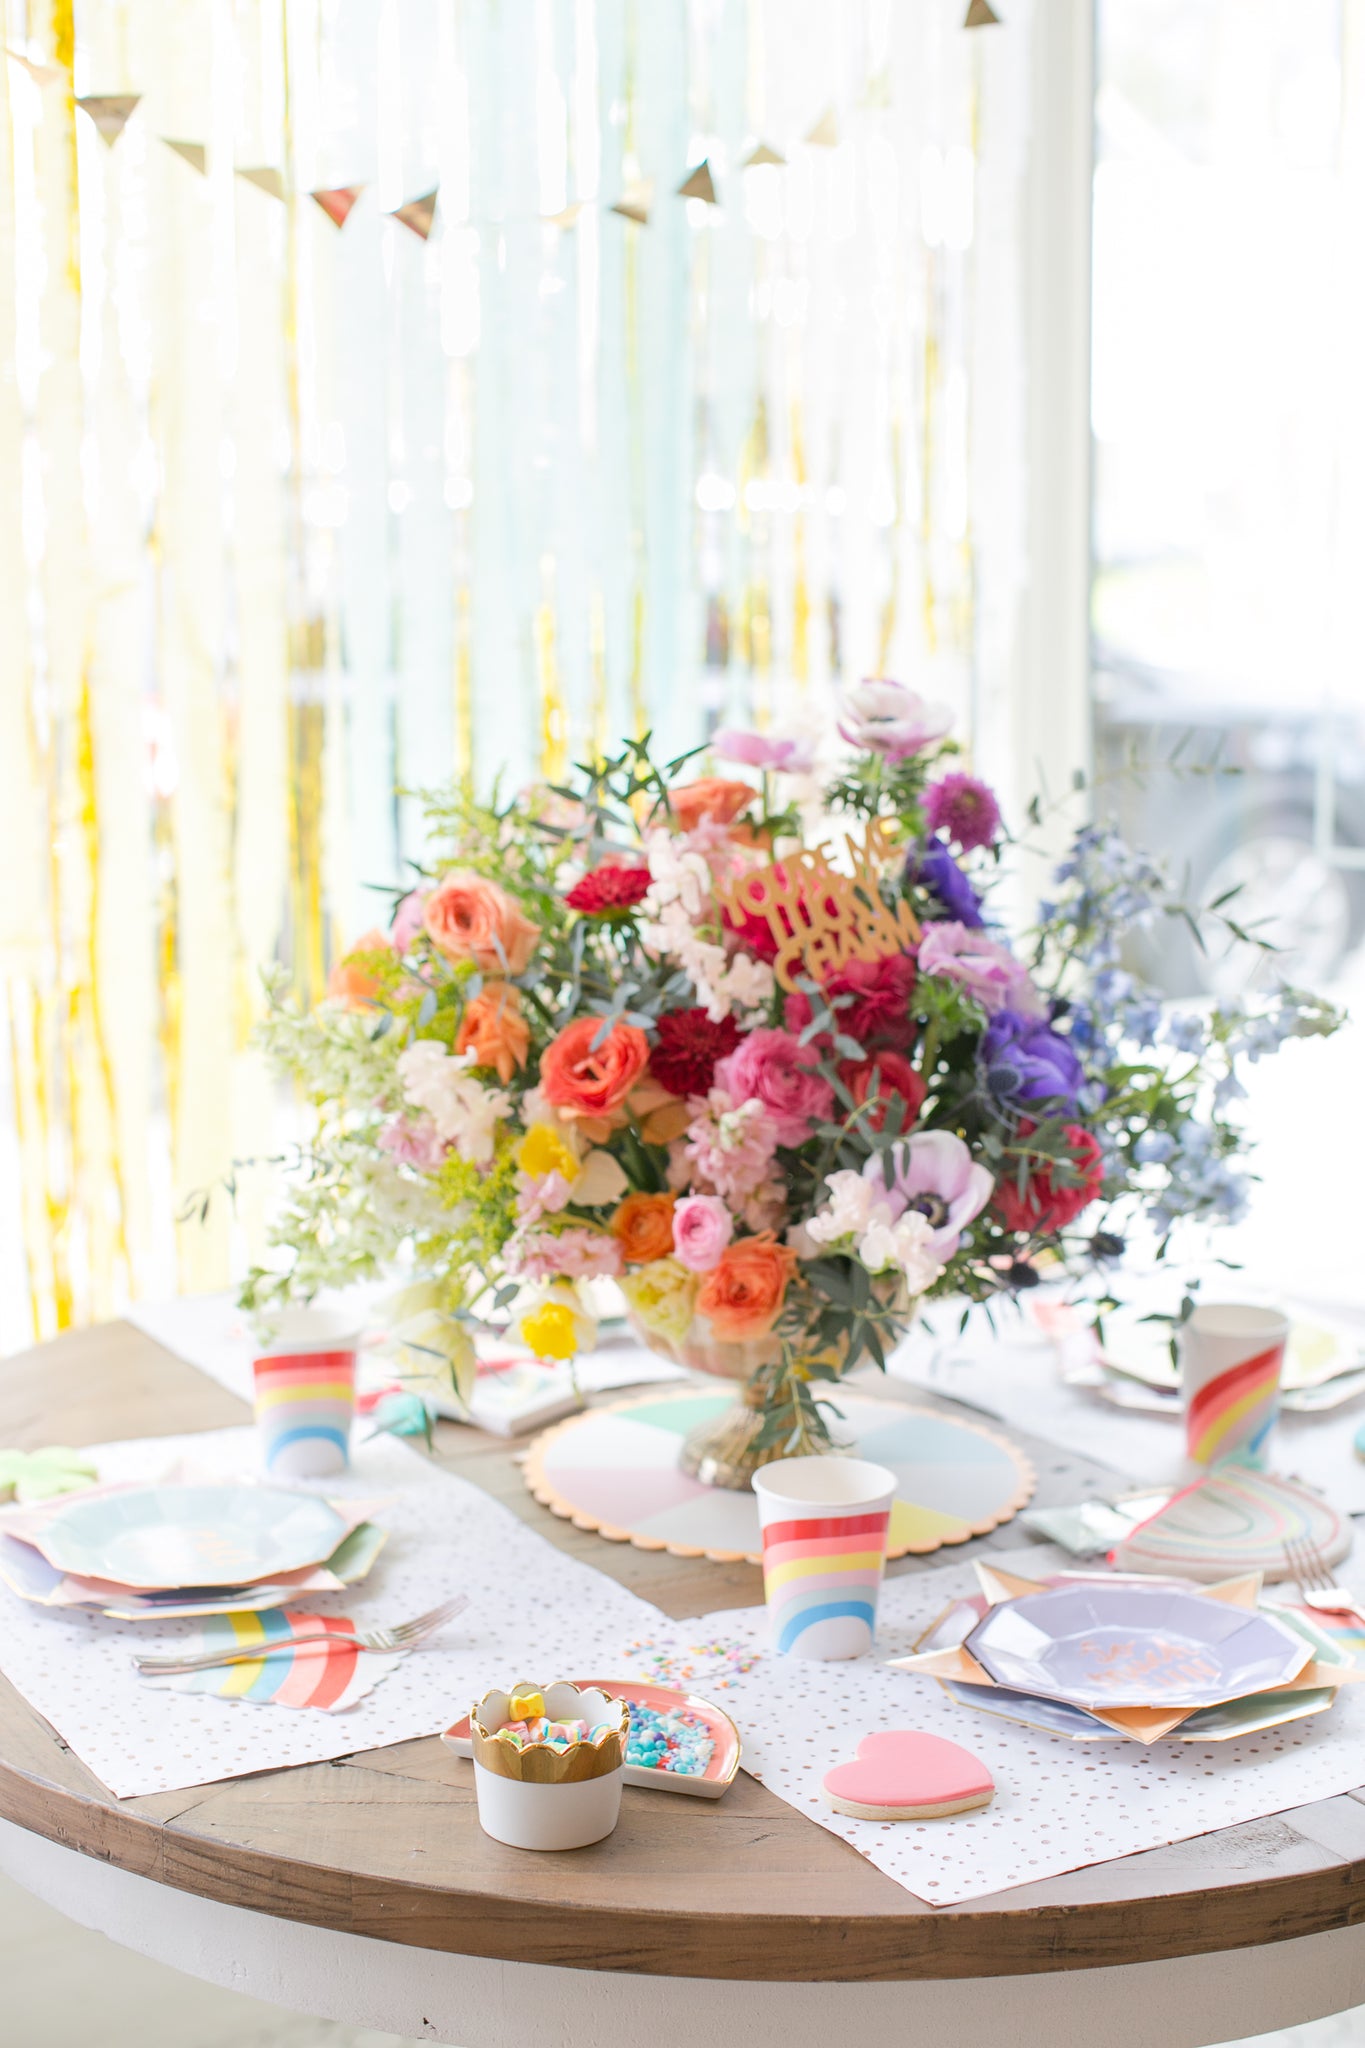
(763, 750)
(414, 1140)
(407, 920)
(702, 1227)
(887, 718)
(982, 966)
(772, 1067)
(935, 1175)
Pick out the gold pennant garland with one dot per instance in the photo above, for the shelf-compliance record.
(699, 184)
(336, 201)
(418, 214)
(110, 112)
(192, 153)
(265, 178)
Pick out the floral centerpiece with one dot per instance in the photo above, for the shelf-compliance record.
(759, 1052)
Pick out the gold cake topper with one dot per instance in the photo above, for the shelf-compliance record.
(822, 917)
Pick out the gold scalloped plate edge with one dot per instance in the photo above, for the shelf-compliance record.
(543, 1489)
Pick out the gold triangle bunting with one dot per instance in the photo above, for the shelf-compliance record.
(763, 154)
(336, 201)
(634, 203)
(980, 14)
(699, 184)
(418, 214)
(41, 74)
(565, 218)
(825, 133)
(265, 178)
(110, 112)
(192, 153)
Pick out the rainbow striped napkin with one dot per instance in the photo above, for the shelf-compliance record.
(326, 1676)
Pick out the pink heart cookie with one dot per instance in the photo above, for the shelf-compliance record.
(903, 1775)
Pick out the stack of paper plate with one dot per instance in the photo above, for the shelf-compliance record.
(173, 1550)
(1142, 1659)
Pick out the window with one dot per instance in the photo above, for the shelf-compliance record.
(1229, 506)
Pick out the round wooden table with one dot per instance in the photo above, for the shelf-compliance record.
(364, 1889)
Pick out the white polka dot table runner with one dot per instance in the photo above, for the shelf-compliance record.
(533, 1613)
(1059, 1805)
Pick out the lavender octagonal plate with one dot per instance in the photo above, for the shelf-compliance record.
(1134, 1646)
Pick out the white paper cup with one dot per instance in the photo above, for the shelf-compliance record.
(1231, 1362)
(305, 1393)
(528, 1816)
(824, 1524)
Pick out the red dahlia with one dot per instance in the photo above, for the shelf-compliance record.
(608, 888)
(1045, 1206)
(689, 1045)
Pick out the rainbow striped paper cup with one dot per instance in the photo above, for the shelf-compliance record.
(305, 1394)
(1231, 1359)
(824, 1526)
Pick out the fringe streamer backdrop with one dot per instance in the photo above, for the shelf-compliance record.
(296, 518)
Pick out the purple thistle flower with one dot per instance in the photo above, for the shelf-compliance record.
(965, 808)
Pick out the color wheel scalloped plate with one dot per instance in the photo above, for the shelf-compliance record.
(615, 1470)
(162, 1538)
(721, 1766)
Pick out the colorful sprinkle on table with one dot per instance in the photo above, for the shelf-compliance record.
(716, 1664)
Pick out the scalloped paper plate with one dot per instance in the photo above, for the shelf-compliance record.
(163, 1538)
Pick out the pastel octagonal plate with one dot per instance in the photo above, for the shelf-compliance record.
(157, 1538)
(721, 1765)
(1127, 1645)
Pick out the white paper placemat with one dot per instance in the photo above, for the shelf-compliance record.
(1017, 1377)
(1058, 1805)
(534, 1613)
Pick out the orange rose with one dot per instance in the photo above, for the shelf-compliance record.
(468, 918)
(494, 1030)
(713, 797)
(351, 981)
(592, 1083)
(742, 1295)
(643, 1227)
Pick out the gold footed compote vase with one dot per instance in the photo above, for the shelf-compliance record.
(726, 1450)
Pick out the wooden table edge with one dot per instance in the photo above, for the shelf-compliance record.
(955, 1942)
(538, 1923)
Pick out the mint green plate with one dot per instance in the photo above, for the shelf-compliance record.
(155, 1538)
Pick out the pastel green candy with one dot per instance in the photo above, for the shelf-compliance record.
(29, 1476)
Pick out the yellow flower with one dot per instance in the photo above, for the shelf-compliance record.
(551, 1331)
(662, 1297)
(545, 1150)
(555, 1324)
